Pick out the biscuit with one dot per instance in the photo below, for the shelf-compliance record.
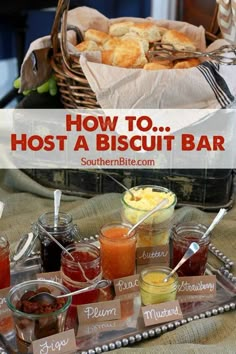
(97, 36)
(162, 30)
(128, 54)
(111, 43)
(118, 29)
(107, 57)
(87, 45)
(186, 63)
(178, 40)
(156, 66)
(131, 35)
(147, 30)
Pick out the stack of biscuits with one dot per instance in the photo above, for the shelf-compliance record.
(127, 45)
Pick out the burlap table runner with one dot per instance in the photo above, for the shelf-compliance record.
(25, 200)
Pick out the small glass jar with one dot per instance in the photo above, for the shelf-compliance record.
(31, 326)
(182, 236)
(81, 272)
(153, 289)
(4, 263)
(155, 230)
(64, 232)
(118, 250)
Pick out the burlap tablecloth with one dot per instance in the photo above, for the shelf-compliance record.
(25, 200)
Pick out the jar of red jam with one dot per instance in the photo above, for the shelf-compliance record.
(81, 272)
(4, 263)
(182, 236)
(63, 230)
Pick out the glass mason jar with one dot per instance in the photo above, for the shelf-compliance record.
(81, 272)
(118, 250)
(32, 326)
(153, 289)
(64, 232)
(182, 236)
(4, 263)
(155, 230)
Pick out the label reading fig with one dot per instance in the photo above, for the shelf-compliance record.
(63, 342)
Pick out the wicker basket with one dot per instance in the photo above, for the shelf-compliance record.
(74, 88)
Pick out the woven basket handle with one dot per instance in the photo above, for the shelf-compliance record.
(62, 6)
(60, 42)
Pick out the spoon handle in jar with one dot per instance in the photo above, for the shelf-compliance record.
(57, 202)
(1, 208)
(119, 183)
(99, 285)
(57, 242)
(193, 248)
(217, 219)
(157, 207)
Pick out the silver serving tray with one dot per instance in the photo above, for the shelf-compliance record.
(107, 336)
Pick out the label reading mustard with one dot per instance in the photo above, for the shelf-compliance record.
(154, 289)
(161, 313)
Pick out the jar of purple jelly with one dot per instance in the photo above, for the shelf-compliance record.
(62, 229)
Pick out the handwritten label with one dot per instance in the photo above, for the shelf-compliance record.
(126, 285)
(4, 310)
(152, 255)
(99, 312)
(54, 276)
(3, 302)
(63, 342)
(199, 285)
(161, 313)
(107, 326)
(3, 294)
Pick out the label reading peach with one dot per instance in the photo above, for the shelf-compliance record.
(198, 285)
(152, 255)
(54, 276)
(161, 313)
(126, 285)
(63, 342)
(99, 312)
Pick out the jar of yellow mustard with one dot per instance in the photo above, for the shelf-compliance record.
(153, 289)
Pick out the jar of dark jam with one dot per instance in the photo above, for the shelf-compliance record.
(182, 236)
(63, 230)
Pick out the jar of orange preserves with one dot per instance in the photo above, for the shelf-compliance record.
(117, 250)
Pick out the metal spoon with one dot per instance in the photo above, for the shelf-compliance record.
(193, 248)
(57, 242)
(1, 208)
(152, 211)
(57, 202)
(217, 219)
(121, 185)
(50, 299)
